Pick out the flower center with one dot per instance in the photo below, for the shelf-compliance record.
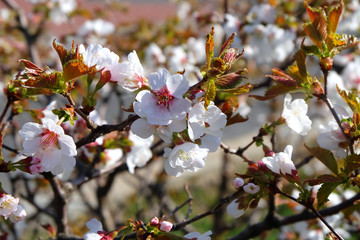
(7, 204)
(49, 138)
(164, 98)
(184, 156)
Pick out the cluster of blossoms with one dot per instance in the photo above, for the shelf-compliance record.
(10, 208)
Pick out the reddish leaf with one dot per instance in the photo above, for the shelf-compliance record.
(62, 52)
(334, 17)
(209, 46)
(326, 157)
(74, 69)
(326, 178)
(237, 118)
(227, 43)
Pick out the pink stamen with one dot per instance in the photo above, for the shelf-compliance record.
(49, 138)
(164, 97)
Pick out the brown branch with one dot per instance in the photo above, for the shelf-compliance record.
(104, 129)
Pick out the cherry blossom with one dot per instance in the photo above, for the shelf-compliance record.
(131, 73)
(198, 236)
(238, 182)
(281, 162)
(48, 142)
(96, 230)
(233, 209)
(102, 58)
(140, 152)
(206, 125)
(8, 205)
(187, 156)
(99, 26)
(165, 226)
(331, 136)
(251, 188)
(295, 115)
(164, 102)
(18, 215)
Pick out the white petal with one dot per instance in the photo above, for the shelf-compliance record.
(142, 128)
(233, 211)
(158, 80)
(288, 150)
(30, 130)
(94, 225)
(67, 145)
(177, 85)
(272, 163)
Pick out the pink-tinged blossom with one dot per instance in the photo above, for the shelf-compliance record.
(154, 221)
(165, 226)
(198, 236)
(48, 142)
(238, 182)
(164, 102)
(140, 152)
(18, 215)
(233, 209)
(281, 162)
(295, 115)
(206, 125)
(251, 188)
(131, 73)
(187, 156)
(8, 205)
(32, 165)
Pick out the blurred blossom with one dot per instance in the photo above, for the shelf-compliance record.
(96, 230)
(18, 215)
(351, 74)
(154, 56)
(198, 236)
(251, 188)
(196, 50)
(165, 226)
(295, 114)
(233, 209)
(262, 13)
(59, 9)
(140, 152)
(176, 57)
(232, 25)
(98, 26)
(350, 24)
(268, 44)
(238, 182)
(8, 204)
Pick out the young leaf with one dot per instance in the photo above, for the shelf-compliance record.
(210, 92)
(324, 191)
(209, 47)
(326, 157)
(334, 17)
(352, 162)
(351, 98)
(325, 178)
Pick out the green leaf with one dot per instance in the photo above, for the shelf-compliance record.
(210, 92)
(209, 47)
(352, 162)
(324, 191)
(326, 157)
(351, 98)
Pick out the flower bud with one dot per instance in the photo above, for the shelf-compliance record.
(326, 64)
(251, 188)
(165, 226)
(154, 221)
(238, 182)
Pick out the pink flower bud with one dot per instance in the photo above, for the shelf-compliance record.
(165, 226)
(154, 221)
(238, 182)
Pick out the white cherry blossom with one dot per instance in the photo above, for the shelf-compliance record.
(187, 156)
(140, 152)
(8, 205)
(164, 102)
(96, 230)
(102, 58)
(238, 182)
(281, 162)
(48, 142)
(295, 115)
(18, 215)
(233, 209)
(131, 73)
(206, 125)
(198, 236)
(99, 26)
